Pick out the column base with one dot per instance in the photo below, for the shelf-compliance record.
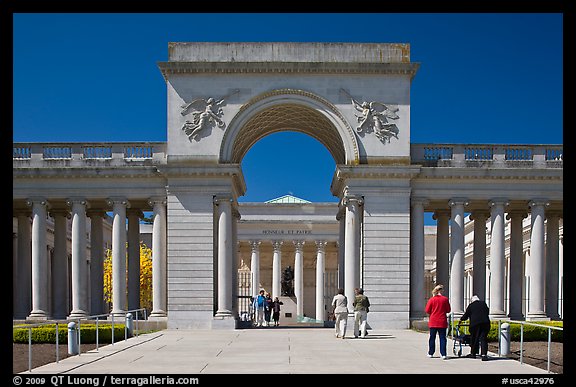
(77, 314)
(538, 316)
(118, 315)
(157, 315)
(37, 315)
(223, 314)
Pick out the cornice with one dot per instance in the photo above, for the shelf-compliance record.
(454, 173)
(173, 67)
(86, 172)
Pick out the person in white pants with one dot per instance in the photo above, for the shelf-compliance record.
(340, 310)
(361, 304)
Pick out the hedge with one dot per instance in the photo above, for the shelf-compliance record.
(47, 334)
(531, 332)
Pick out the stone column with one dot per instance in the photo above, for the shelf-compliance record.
(299, 277)
(442, 249)
(417, 296)
(341, 217)
(96, 261)
(516, 277)
(39, 260)
(119, 206)
(224, 205)
(23, 288)
(352, 247)
(159, 256)
(234, 272)
(60, 264)
(79, 259)
(255, 267)
(277, 269)
(497, 259)
(535, 265)
(479, 255)
(457, 257)
(133, 258)
(320, 264)
(552, 258)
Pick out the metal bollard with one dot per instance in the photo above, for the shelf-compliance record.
(504, 349)
(129, 324)
(73, 339)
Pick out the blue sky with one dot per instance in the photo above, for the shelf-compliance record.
(483, 78)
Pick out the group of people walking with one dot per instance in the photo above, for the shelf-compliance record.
(361, 306)
(438, 307)
(265, 308)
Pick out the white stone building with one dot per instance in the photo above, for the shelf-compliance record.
(354, 98)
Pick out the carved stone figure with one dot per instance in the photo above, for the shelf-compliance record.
(374, 117)
(204, 113)
(288, 282)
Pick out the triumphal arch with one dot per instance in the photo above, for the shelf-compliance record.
(354, 98)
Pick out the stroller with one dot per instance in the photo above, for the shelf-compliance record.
(461, 338)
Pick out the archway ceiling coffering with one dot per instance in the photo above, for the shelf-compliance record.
(289, 117)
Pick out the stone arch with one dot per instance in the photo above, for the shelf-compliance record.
(294, 110)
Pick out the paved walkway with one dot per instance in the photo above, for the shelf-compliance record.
(283, 350)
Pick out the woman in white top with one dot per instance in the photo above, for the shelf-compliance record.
(340, 310)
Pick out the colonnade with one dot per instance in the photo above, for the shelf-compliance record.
(542, 267)
(32, 281)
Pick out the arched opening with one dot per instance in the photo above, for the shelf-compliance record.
(288, 147)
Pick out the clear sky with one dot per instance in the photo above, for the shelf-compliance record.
(483, 78)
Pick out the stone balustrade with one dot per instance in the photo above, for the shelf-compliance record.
(440, 155)
(487, 155)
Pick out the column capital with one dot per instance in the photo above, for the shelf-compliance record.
(351, 199)
(321, 245)
(222, 198)
(516, 214)
(419, 201)
(255, 245)
(299, 245)
(538, 202)
(458, 201)
(76, 200)
(498, 201)
(276, 245)
(152, 201)
(37, 200)
(118, 200)
(438, 213)
(236, 213)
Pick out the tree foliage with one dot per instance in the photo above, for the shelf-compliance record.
(145, 277)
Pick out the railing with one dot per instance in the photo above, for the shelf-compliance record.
(522, 323)
(98, 317)
(46, 154)
(471, 155)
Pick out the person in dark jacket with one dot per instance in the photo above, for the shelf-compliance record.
(276, 311)
(478, 313)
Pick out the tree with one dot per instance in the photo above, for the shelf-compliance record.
(145, 277)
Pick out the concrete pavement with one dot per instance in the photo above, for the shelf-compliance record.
(282, 350)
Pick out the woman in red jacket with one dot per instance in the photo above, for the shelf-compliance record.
(437, 307)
